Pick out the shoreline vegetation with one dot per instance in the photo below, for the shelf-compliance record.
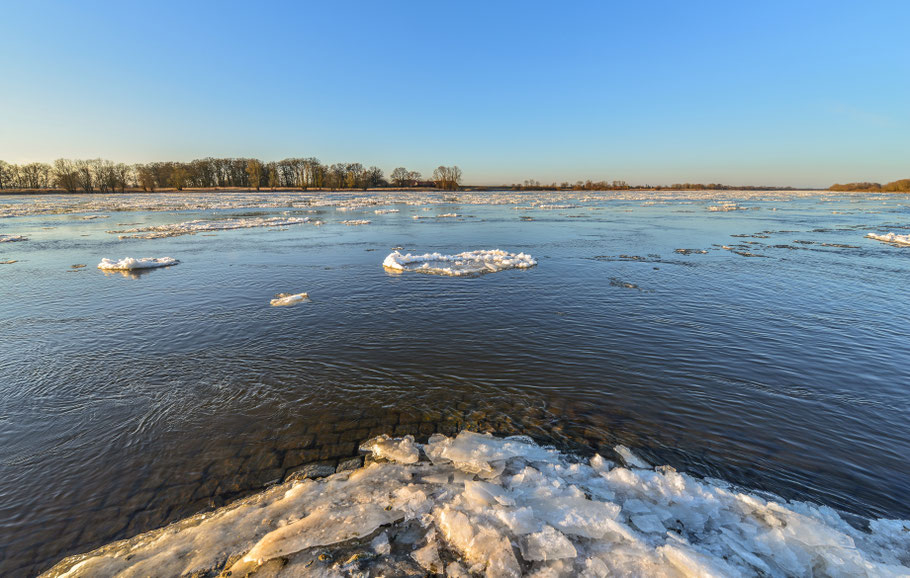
(100, 176)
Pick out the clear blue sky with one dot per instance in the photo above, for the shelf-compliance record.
(803, 93)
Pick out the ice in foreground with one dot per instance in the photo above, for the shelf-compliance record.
(480, 505)
(467, 263)
(891, 238)
(130, 264)
(288, 299)
(12, 238)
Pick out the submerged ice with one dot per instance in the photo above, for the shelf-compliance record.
(467, 263)
(480, 505)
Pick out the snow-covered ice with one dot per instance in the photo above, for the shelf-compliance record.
(891, 238)
(288, 299)
(12, 238)
(356, 222)
(131, 264)
(481, 505)
(467, 263)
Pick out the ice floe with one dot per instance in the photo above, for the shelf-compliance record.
(131, 264)
(467, 263)
(202, 225)
(891, 238)
(480, 505)
(288, 299)
(356, 222)
(12, 238)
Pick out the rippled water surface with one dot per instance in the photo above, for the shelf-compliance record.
(780, 362)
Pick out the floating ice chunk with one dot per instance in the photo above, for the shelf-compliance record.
(467, 263)
(447, 216)
(288, 299)
(12, 238)
(355, 222)
(401, 450)
(385, 211)
(892, 238)
(548, 544)
(629, 458)
(131, 264)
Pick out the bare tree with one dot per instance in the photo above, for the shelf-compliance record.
(65, 175)
(447, 178)
(401, 176)
(254, 170)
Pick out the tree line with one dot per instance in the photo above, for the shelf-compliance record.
(901, 186)
(104, 176)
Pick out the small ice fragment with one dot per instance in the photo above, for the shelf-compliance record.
(401, 450)
(12, 238)
(288, 299)
(648, 523)
(428, 556)
(354, 222)
(130, 264)
(380, 544)
(548, 544)
(600, 464)
(629, 458)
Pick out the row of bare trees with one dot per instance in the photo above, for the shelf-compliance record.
(102, 176)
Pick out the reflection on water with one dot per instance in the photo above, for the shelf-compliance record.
(124, 406)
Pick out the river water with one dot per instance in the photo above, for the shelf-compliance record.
(777, 359)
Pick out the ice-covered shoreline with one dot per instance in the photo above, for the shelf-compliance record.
(480, 505)
(461, 264)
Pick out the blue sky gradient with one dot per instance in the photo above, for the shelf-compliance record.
(801, 93)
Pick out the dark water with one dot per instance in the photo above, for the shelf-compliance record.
(127, 403)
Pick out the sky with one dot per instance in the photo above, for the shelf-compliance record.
(800, 93)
